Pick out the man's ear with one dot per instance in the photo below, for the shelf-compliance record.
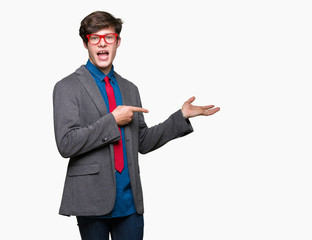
(85, 45)
(118, 42)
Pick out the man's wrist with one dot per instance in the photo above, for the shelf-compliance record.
(184, 115)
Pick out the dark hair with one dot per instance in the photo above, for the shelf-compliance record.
(97, 21)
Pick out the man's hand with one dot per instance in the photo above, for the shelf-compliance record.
(189, 110)
(124, 114)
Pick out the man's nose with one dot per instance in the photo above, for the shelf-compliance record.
(102, 42)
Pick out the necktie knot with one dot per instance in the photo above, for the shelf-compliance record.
(106, 79)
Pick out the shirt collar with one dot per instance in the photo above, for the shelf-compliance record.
(98, 73)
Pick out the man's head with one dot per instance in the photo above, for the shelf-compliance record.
(101, 47)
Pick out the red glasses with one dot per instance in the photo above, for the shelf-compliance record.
(109, 38)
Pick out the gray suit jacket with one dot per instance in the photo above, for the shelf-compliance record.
(85, 133)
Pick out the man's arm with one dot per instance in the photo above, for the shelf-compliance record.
(152, 138)
(177, 125)
(72, 137)
(124, 114)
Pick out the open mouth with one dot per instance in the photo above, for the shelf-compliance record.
(103, 55)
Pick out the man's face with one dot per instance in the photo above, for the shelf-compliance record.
(102, 55)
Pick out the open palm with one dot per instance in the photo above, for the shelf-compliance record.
(189, 110)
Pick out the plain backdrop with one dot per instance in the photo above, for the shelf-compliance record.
(245, 173)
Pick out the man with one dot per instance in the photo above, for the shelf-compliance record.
(99, 125)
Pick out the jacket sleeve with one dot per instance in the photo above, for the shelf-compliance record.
(72, 138)
(151, 138)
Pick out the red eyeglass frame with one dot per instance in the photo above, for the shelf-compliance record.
(102, 36)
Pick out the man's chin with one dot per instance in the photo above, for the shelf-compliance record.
(104, 68)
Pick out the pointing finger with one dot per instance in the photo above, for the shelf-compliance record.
(138, 109)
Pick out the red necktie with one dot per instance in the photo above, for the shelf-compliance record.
(118, 149)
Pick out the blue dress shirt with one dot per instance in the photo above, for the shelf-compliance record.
(124, 204)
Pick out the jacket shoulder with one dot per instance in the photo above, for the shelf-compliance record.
(124, 81)
(72, 79)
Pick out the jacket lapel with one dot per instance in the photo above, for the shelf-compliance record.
(126, 100)
(124, 89)
(89, 84)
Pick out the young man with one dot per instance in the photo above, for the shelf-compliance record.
(99, 125)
